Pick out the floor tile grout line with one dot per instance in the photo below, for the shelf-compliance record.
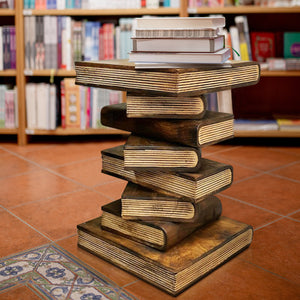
(294, 212)
(64, 238)
(253, 205)
(47, 198)
(65, 177)
(284, 177)
(282, 151)
(267, 224)
(75, 162)
(130, 283)
(293, 219)
(266, 270)
(284, 166)
(24, 222)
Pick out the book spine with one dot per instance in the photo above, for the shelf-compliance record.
(63, 104)
(1, 48)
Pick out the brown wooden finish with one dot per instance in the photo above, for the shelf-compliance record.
(211, 178)
(179, 267)
(143, 153)
(143, 106)
(135, 206)
(172, 232)
(122, 75)
(186, 132)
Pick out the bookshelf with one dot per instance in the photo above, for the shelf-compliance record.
(259, 17)
(277, 91)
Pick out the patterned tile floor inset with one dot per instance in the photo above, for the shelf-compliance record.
(55, 274)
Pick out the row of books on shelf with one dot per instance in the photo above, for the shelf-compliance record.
(194, 4)
(8, 106)
(7, 4)
(67, 105)
(281, 123)
(69, 40)
(7, 47)
(96, 4)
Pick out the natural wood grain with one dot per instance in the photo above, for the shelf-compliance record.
(160, 235)
(166, 107)
(144, 153)
(179, 267)
(186, 132)
(139, 203)
(122, 75)
(211, 178)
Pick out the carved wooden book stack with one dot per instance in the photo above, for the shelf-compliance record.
(167, 228)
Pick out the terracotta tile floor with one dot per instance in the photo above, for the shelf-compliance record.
(49, 188)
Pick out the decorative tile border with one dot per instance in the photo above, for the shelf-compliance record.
(55, 274)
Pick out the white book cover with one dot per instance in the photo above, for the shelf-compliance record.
(60, 4)
(95, 111)
(181, 57)
(31, 107)
(235, 42)
(42, 94)
(225, 101)
(180, 22)
(179, 45)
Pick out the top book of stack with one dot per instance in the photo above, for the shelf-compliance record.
(173, 40)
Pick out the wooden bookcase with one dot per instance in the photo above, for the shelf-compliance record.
(277, 91)
(260, 16)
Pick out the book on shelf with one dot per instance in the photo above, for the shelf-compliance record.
(8, 106)
(179, 267)
(211, 178)
(179, 22)
(235, 42)
(140, 203)
(175, 33)
(142, 153)
(210, 44)
(224, 99)
(291, 41)
(254, 125)
(121, 74)
(143, 106)
(160, 235)
(217, 57)
(285, 124)
(244, 37)
(212, 128)
(263, 45)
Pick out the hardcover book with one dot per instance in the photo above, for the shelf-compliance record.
(140, 203)
(143, 153)
(211, 44)
(175, 33)
(160, 235)
(263, 45)
(211, 178)
(192, 81)
(213, 128)
(179, 267)
(143, 106)
(180, 22)
(203, 57)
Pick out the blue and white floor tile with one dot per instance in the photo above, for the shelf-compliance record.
(55, 274)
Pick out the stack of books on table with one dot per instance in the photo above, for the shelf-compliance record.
(176, 40)
(167, 227)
